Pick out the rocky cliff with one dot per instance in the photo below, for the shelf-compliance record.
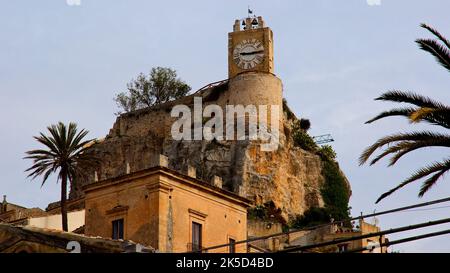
(289, 177)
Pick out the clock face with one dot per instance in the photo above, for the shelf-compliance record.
(248, 54)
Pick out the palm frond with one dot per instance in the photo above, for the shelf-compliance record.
(410, 97)
(71, 133)
(421, 173)
(393, 149)
(41, 152)
(436, 116)
(56, 138)
(49, 142)
(441, 53)
(430, 182)
(39, 168)
(420, 113)
(405, 112)
(436, 33)
(77, 144)
(414, 136)
(404, 147)
(48, 173)
(418, 145)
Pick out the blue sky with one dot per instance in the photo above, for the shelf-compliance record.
(63, 62)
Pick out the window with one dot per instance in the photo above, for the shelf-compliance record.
(196, 236)
(232, 247)
(117, 229)
(343, 248)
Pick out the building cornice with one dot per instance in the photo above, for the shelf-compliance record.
(177, 176)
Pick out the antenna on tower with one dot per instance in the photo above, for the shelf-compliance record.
(375, 219)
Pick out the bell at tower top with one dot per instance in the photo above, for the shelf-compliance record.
(249, 23)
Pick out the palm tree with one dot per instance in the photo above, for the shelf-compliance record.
(421, 110)
(64, 154)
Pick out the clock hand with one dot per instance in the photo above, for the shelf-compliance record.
(253, 52)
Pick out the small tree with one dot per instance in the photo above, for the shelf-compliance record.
(160, 86)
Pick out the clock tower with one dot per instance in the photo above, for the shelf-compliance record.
(250, 47)
(251, 78)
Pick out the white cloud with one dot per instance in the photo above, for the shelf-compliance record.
(373, 2)
(73, 2)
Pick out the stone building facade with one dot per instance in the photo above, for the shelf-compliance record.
(166, 210)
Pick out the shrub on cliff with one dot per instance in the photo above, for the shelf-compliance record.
(160, 86)
(312, 217)
(326, 152)
(305, 124)
(300, 136)
(335, 192)
(304, 141)
(266, 212)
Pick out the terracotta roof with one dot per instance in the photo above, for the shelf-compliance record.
(71, 205)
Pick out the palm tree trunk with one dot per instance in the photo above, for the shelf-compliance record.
(64, 199)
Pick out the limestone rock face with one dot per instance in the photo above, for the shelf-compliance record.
(289, 177)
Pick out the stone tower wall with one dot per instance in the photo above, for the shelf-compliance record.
(254, 88)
